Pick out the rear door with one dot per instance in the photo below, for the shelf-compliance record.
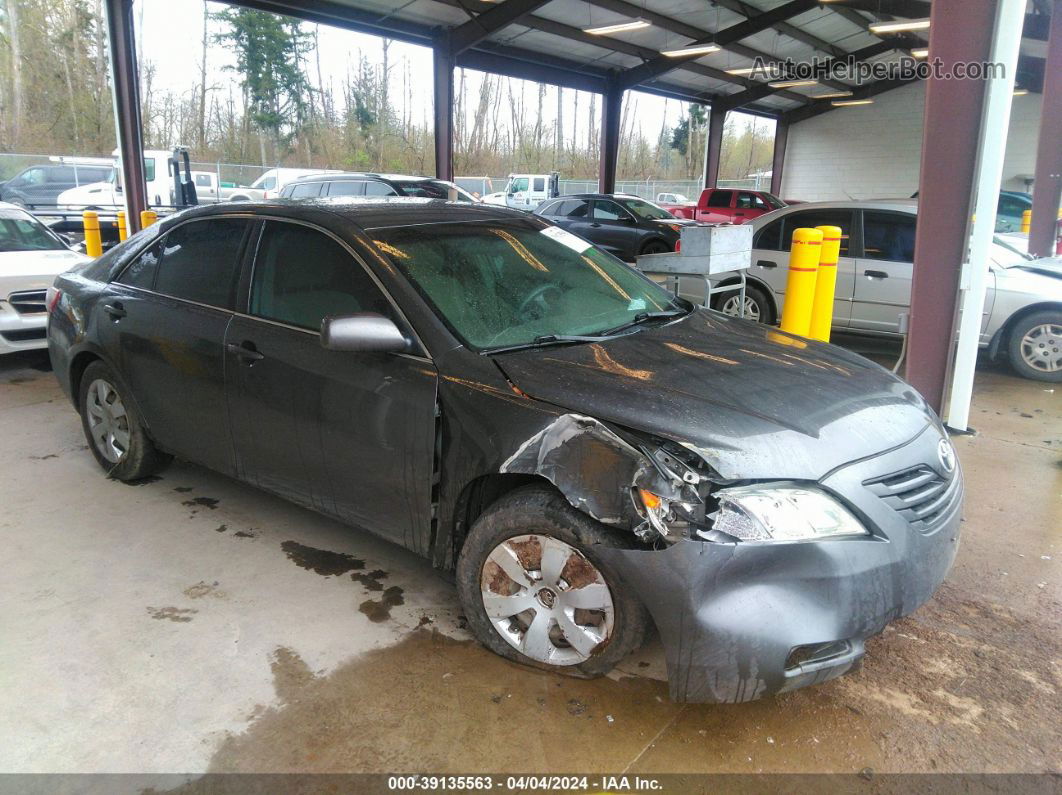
(166, 316)
(573, 215)
(351, 434)
(614, 229)
(884, 271)
(718, 207)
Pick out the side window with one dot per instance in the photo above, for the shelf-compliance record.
(346, 187)
(34, 176)
(202, 180)
(518, 185)
(379, 189)
(305, 190)
(200, 261)
(1009, 205)
(61, 175)
(770, 237)
(572, 208)
(608, 211)
(888, 236)
(141, 271)
(302, 276)
(268, 183)
(750, 201)
(813, 218)
(539, 185)
(720, 198)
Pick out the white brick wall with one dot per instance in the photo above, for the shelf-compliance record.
(873, 151)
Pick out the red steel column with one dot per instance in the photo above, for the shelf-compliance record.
(714, 145)
(611, 113)
(781, 136)
(961, 30)
(1047, 187)
(130, 128)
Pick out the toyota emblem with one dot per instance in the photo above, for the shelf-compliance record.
(946, 454)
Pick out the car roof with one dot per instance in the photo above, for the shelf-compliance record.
(368, 213)
(352, 175)
(900, 205)
(599, 196)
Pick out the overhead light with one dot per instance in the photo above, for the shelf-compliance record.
(792, 83)
(1020, 92)
(619, 27)
(844, 103)
(899, 26)
(744, 70)
(920, 52)
(832, 95)
(697, 49)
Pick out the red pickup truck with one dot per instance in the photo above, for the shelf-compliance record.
(718, 205)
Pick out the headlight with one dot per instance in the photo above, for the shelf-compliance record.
(783, 513)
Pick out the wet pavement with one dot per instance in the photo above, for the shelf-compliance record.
(195, 624)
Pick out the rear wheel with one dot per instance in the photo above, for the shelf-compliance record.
(1035, 346)
(535, 590)
(757, 305)
(113, 429)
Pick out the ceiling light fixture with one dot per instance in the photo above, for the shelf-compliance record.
(899, 26)
(844, 103)
(832, 95)
(792, 83)
(744, 70)
(920, 52)
(1020, 92)
(694, 49)
(619, 27)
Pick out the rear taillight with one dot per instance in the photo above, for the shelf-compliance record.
(52, 297)
(678, 244)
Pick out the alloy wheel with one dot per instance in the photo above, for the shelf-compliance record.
(1041, 347)
(547, 600)
(108, 421)
(731, 306)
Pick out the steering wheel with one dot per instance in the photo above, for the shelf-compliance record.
(536, 304)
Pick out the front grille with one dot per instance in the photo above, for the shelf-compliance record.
(28, 302)
(920, 495)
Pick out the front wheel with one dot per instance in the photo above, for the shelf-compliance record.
(757, 305)
(534, 589)
(114, 431)
(1035, 346)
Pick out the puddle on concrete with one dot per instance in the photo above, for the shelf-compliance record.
(178, 614)
(370, 580)
(143, 481)
(245, 534)
(379, 610)
(321, 561)
(201, 502)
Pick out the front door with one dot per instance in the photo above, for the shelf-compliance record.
(350, 434)
(165, 319)
(884, 271)
(749, 205)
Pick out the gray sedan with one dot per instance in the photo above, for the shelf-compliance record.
(1023, 307)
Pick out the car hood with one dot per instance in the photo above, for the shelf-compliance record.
(1048, 266)
(19, 268)
(752, 401)
(86, 194)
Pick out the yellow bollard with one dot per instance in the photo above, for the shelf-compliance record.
(147, 218)
(825, 284)
(123, 230)
(800, 287)
(1026, 221)
(93, 242)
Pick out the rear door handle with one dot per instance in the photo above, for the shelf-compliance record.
(245, 350)
(115, 310)
(876, 274)
(766, 263)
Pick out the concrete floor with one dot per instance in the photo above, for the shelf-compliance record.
(195, 624)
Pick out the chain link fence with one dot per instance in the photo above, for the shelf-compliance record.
(646, 189)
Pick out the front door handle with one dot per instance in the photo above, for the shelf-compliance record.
(595, 226)
(766, 263)
(245, 350)
(876, 274)
(115, 310)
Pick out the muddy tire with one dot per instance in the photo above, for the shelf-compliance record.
(568, 610)
(113, 429)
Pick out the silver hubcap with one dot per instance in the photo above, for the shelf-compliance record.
(1041, 348)
(732, 307)
(108, 422)
(547, 600)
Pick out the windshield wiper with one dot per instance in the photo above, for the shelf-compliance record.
(644, 317)
(544, 340)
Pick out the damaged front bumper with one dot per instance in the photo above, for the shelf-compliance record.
(743, 620)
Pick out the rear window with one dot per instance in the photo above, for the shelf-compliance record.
(305, 190)
(200, 261)
(719, 198)
(346, 187)
(539, 184)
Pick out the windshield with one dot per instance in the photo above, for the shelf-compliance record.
(507, 283)
(646, 211)
(773, 200)
(434, 189)
(19, 232)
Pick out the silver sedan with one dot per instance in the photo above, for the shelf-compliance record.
(1023, 306)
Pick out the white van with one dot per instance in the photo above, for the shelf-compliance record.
(108, 195)
(273, 180)
(527, 191)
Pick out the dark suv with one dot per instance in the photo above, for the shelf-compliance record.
(587, 454)
(39, 186)
(357, 184)
(623, 225)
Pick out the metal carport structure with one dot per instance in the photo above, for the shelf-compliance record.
(547, 41)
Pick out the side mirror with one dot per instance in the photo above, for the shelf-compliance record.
(365, 331)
